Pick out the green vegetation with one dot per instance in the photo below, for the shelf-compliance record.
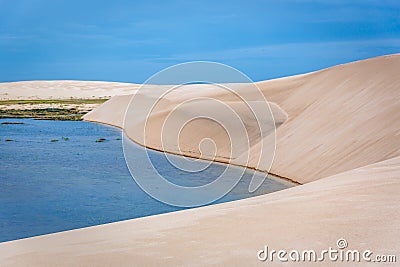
(43, 114)
(54, 140)
(65, 138)
(50, 113)
(53, 101)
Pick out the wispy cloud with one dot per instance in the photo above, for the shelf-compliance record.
(273, 61)
(113, 39)
(288, 50)
(10, 41)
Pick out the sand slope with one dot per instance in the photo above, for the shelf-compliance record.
(360, 205)
(338, 119)
(166, 129)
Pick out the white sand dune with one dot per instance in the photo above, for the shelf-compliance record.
(160, 130)
(63, 89)
(337, 132)
(339, 119)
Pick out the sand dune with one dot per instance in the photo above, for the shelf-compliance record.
(339, 119)
(63, 89)
(171, 126)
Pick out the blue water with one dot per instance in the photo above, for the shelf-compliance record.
(47, 187)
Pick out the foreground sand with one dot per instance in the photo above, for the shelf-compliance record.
(338, 132)
(361, 206)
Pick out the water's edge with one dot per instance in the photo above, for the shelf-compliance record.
(274, 175)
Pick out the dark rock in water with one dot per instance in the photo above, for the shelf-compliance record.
(101, 140)
(9, 140)
(12, 122)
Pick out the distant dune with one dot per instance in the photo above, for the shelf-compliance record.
(63, 89)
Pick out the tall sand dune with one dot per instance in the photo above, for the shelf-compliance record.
(340, 118)
(327, 121)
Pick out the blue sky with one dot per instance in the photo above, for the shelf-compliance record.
(129, 41)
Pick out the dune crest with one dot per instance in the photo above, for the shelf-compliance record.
(340, 118)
